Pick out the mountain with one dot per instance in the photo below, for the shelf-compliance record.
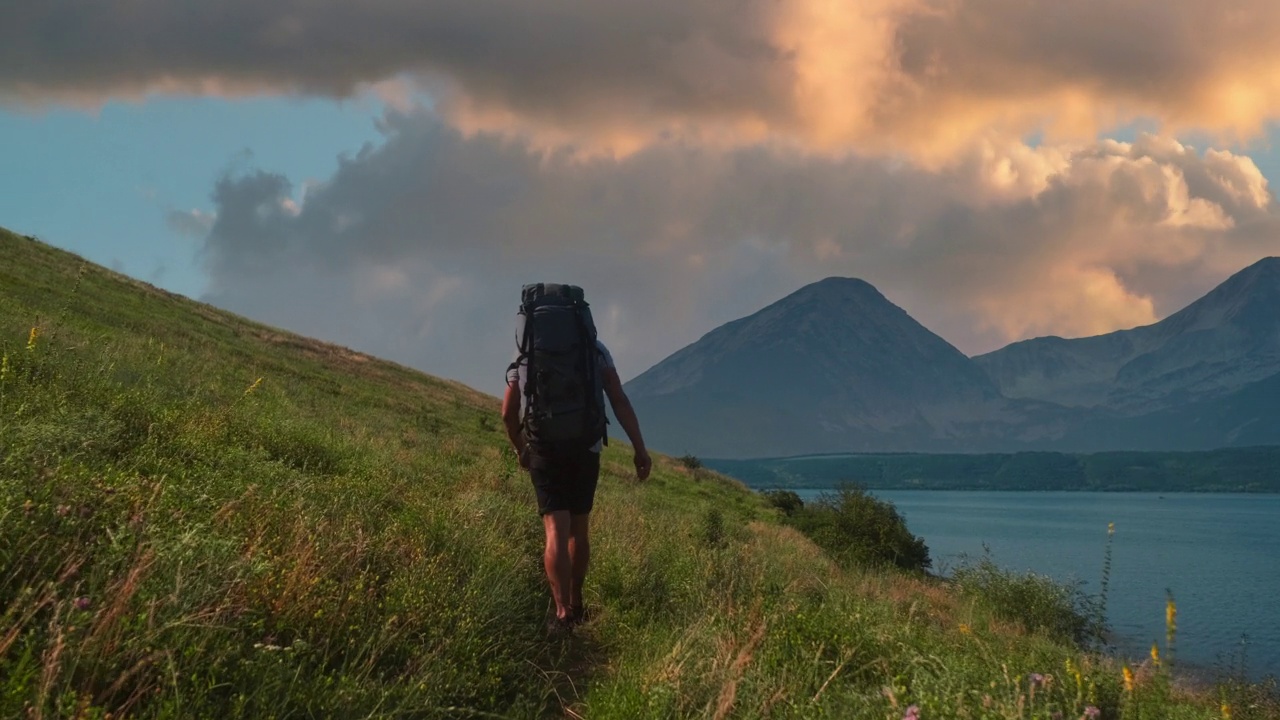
(832, 367)
(836, 367)
(1219, 344)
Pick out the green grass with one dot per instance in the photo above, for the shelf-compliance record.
(201, 516)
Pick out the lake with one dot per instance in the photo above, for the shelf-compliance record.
(1219, 554)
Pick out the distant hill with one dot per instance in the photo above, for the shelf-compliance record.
(837, 367)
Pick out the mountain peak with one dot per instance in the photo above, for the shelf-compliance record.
(1247, 300)
(1223, 341)
(835, 281)
(832, 295)
(836, 286)
(1266, 272)
(830, 366)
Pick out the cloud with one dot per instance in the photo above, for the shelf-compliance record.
(189, 223)
(921, 77)
(692, 161)
(416, 248)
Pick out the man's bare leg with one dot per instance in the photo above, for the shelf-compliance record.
(580, 557)
(556, 559)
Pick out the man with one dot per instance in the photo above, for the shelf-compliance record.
(566, 488)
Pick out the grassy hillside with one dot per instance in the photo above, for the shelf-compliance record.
(201, 516)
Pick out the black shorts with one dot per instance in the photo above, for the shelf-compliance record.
(565, 482)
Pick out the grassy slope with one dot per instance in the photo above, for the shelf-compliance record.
(349, 538)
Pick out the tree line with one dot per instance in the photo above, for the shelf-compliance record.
(1251, 469)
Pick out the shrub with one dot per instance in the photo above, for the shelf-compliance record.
(713, 528)
(856, 528)
(785, 500)
(1039, 603)
(690, 462)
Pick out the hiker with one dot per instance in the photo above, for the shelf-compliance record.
(556, 424)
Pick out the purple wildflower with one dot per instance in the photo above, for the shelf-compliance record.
(1092, 712)
(1036, 679)
(82, 603)
(912, 713)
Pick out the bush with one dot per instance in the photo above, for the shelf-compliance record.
(713, 528)
(690, 462)
(856, 528)
(785, 500)
(1039, 603)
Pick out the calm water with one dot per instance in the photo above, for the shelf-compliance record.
(1218, 554)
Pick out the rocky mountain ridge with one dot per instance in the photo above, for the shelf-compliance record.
(837, 367)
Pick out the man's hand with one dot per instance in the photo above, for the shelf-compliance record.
(643, 464)
(522, 454)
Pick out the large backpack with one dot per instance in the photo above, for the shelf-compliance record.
(563, 389)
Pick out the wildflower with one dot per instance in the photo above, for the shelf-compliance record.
(254, 386)
(965, 629)
(62, 510)
(82, 603)
(1036, 679)
(4, 367)
(1092, 712)
(31, 339)
(1155, 655)
(912, 713)
(1111, 529)
(1226, 711)
(1075, 673)
(1170, 617)
(1128, 679)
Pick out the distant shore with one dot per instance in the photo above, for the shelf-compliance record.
(1225, 470)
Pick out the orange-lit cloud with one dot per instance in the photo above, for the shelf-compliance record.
(921, 77)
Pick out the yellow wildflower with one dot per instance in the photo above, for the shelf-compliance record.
(1128, 679)
(1155, 655)
(254, 386)
(1171, 619)
(31, 339)
(1226, 711)
(4, 367)
(965, 629)
(1074, 672)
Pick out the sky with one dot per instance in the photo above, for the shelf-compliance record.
(387, 174)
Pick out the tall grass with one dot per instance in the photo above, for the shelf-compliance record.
(205, 517)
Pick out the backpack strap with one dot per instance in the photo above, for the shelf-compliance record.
(592, 357)
(525, 357)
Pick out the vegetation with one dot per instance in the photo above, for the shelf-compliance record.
(1251, 469)
(855, 528)
(204, 517)
(1038, 603)
(690, 462)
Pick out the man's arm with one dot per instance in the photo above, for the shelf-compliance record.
(627, 419)
(511, 419)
